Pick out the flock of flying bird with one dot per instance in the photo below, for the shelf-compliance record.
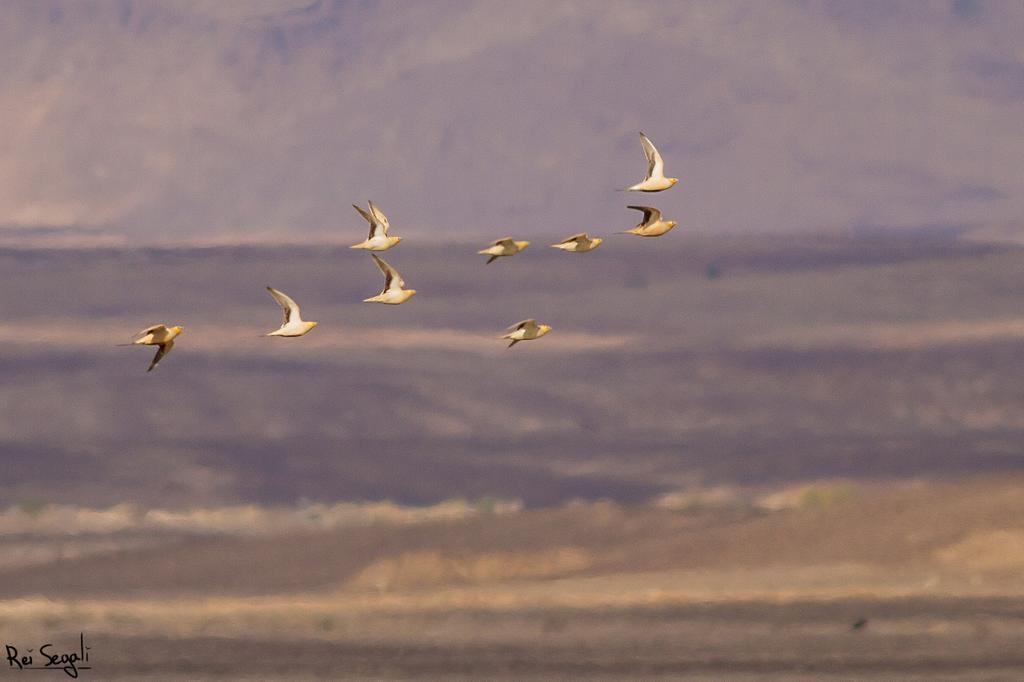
(394, 291)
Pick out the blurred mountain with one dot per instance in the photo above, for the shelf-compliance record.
(189, 118)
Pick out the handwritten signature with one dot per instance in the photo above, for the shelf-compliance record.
(70, 662)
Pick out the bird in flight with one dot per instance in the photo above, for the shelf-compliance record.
(655, 180)
(393, 292)
(652, 225)
(506, 246)
(578, 243)
(527, 330)
(293, 324)
(158, 335)
(378, 239)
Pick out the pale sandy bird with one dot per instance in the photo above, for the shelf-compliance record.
(652, 225)
(655, 180)
(578, 243)
(293, 324)
(378, 239)
(393, 291)
(527, 330)
(506, 246)
(158, 335)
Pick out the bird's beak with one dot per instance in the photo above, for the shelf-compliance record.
(675, 180)
(672, 223)
(546, 327)
(398, 239)
(523, 245)
(412, 292)
(179, 329)
(315, 323)
(598, 240)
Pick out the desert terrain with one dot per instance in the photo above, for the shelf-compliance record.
(730, 584)
(794, 457)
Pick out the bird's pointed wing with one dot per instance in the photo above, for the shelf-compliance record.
(525, 324)
(575, 238)
(150, 330)
(651, 215)
(368, 217)
(504, 241)
(163, 350)
(380, 218)
(290, 307)
(655, 164)
(392, 280)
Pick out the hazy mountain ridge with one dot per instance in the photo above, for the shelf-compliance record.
(185, 118)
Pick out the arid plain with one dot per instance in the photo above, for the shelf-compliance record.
(728, 452)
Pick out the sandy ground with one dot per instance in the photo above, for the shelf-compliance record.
(835, 580)
(959, 639)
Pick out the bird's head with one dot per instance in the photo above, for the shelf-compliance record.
(178, 330)
(596, 241)
(673, 180)
(522, 245)
(544, 329)
(313, 324)
(411, 292)
(672, 224)
(397, 239)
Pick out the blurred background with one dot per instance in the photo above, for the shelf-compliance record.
(782, 441)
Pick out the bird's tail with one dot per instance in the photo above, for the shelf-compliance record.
(124, 344)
